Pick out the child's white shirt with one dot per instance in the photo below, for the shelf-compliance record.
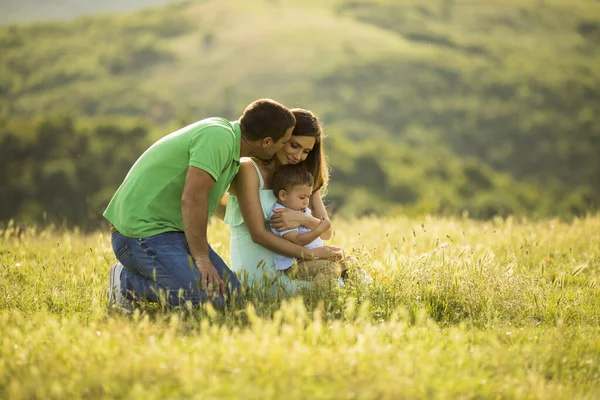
(283, 262)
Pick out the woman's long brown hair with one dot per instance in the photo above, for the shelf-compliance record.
(307, 124)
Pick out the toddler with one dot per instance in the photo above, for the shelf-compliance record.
(293, 185)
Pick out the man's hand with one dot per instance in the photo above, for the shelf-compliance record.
(328, 253)
(209, 277)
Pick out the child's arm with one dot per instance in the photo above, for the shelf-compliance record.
(302, 239)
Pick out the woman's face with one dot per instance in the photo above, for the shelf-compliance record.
(296, 149)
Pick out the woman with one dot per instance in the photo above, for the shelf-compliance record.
(251, 201)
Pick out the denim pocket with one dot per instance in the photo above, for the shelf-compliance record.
(149, 251)
(128, 259)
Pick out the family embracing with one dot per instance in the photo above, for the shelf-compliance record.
(272, 164)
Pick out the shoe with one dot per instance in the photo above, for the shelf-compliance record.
(359, 275)
(116, 300)
(364, 277)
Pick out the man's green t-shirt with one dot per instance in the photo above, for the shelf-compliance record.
(148, 202)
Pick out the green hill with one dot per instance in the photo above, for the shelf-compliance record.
(515, 84)
(184, 57)
(436, 106)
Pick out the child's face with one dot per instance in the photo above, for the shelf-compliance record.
(297, 198)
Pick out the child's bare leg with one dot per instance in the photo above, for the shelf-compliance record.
(320, 271)
(350, 263)
(351, 268)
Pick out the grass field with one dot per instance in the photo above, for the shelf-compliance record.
(458, 309)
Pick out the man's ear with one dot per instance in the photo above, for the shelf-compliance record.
(266, 142)
(282, 195)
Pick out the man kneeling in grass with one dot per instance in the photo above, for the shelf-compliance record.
(159, 214)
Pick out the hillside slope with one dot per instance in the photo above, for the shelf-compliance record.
(436, 106)
(194, 58)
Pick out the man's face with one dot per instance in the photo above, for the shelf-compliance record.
(267, 151)
(297, 198)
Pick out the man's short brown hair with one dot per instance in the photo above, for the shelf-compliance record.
(266, 118)
(288, 176)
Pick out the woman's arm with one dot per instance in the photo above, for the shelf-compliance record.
(285, 219)
(246, 185)
(221, 207)
(319, 211)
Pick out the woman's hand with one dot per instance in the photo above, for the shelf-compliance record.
(328, 253)
(284, 219)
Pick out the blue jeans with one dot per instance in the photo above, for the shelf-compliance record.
(160, 268)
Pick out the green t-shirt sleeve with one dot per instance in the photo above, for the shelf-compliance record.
(211, 150)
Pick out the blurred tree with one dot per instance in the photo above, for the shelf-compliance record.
(61, 174)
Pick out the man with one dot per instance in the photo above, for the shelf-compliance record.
(159, 214)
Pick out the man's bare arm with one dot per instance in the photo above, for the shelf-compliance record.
(194, 209)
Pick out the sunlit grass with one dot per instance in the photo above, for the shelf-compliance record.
(499, 309)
